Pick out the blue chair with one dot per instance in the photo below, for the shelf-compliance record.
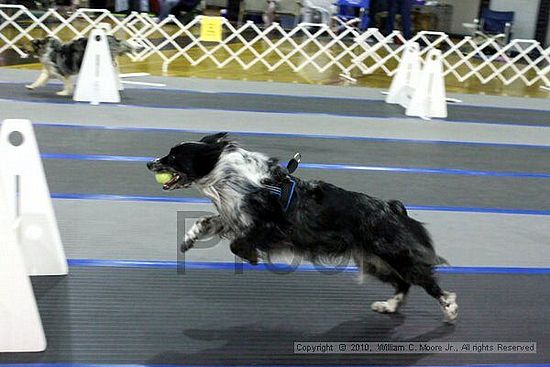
(495, 25)
(351, 10)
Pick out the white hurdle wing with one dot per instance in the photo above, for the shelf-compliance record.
(429, 96)
(406, 78)
(28, 200)
(20, 325)
(98, 79)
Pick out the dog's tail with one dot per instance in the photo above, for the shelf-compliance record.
(417, 229)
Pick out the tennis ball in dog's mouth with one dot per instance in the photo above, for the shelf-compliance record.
(163, 177)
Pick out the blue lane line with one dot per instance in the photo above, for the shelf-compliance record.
(321, 166)
(95, 157)
(289, 135)
(195, 200)
(440, 171)
(165, 199)
(281, 267)
(262, 365)
(237, 109)
(308, 96)
(286, 95)
(477, 210)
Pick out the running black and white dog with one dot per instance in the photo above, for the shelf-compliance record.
(264, 210)
(63, 60)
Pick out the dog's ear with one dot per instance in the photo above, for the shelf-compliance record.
(214, 138)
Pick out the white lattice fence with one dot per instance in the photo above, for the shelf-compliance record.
(18, 26)
(320, 47)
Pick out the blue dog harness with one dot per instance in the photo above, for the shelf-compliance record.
(286, 191)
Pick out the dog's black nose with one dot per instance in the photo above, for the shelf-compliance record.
(151, 165)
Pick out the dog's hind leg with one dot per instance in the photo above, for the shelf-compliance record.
(447, 300)
(40, 81)
(202, 228)
(67, 87)
(393, 304)
(398, 299)
(375, 266)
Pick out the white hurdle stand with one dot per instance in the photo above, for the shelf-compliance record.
(429, 98)
(406, 78)
(98, 80)
(30, 243)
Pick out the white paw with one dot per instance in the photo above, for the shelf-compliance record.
(63, 93)
(384, 307)
(29, 86)
(451, 313)
(449, 308)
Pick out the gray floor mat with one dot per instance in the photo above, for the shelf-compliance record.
(130, 178)
(314, 150)
(283, 104)
(212, 317)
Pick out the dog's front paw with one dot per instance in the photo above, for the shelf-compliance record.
(384, 307)
(30, 86)
(63, 93)
(186, 245)
(449, 307)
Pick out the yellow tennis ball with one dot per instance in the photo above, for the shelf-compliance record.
(163, 177)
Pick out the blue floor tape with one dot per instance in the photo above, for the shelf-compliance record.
(278, 267)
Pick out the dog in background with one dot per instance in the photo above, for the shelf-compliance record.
(63, 60)
(264, 210)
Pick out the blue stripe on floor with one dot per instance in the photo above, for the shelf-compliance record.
(55, 101)
(322, 166)
(302, 94)
(293, 365)
(285, 267)
(289, 135)
(95, 157)
(108, 197)
(195, 200)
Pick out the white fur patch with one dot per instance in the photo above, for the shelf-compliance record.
(236, 174)
(449, 307)
(391, 305)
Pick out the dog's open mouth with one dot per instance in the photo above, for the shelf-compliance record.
(170, 185)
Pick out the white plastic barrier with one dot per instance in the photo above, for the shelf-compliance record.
(20, 325)
(98, 80)
(405, 81)
(30, 243)
(29, 200)
(428, 99)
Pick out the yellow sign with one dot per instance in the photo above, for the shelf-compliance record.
(211, 29)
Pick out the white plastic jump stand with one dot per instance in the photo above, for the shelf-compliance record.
(28, 200)
(98, 80)
(406, 78)
(429, 96)
(20, 325)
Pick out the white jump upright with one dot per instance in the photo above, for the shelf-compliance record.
(28, 200)
(429, 99)
(20, 325)
(98, 79)
(406, 78)
(30, 243)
